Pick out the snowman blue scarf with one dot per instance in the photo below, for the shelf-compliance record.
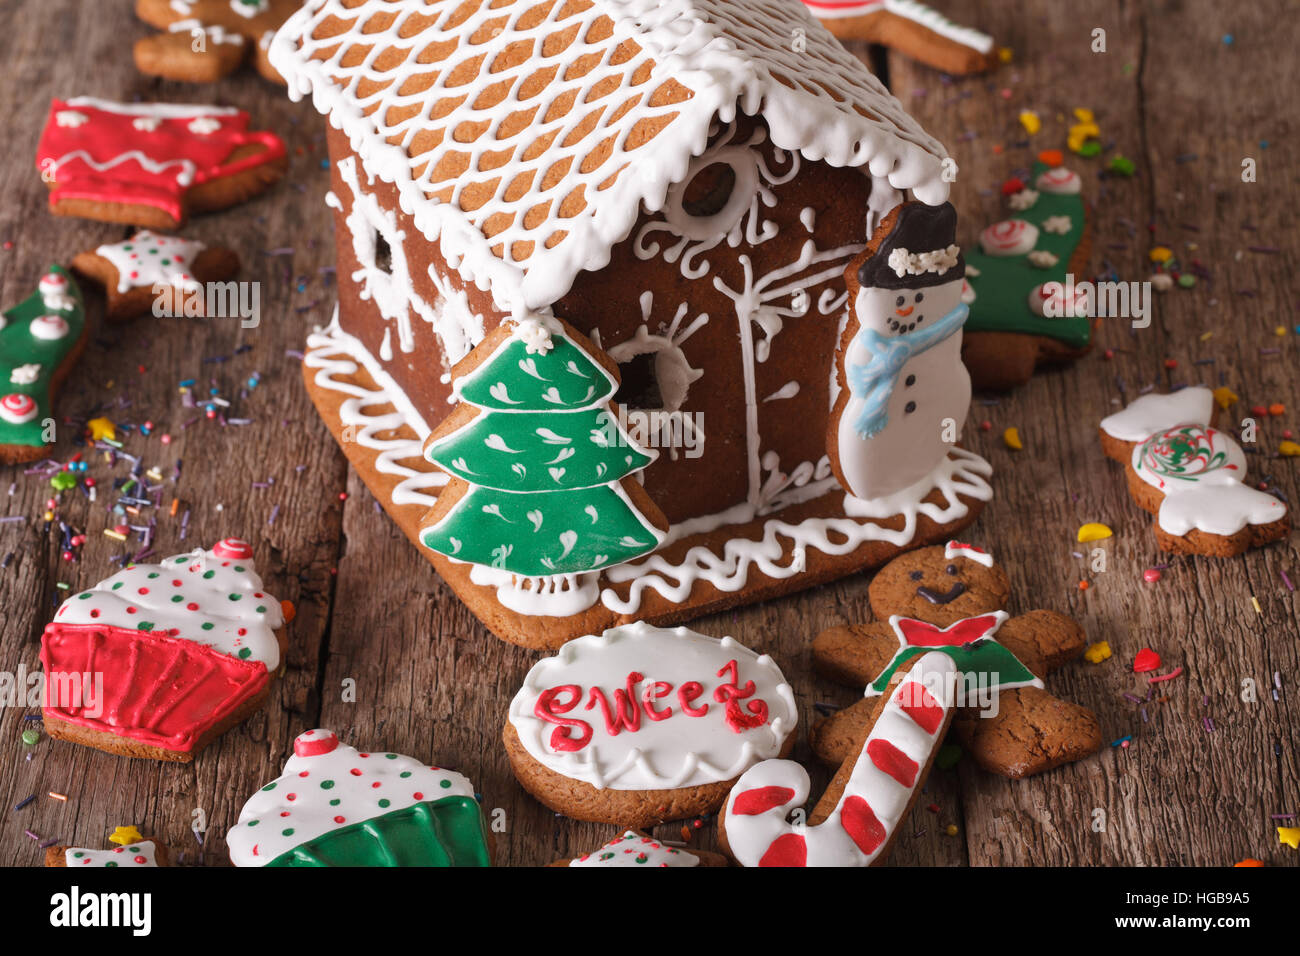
(873, 381)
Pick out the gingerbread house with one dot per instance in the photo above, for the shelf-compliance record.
(682, 182)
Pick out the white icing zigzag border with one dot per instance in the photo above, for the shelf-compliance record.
(331, 351)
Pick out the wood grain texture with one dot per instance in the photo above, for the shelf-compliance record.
(429, 681)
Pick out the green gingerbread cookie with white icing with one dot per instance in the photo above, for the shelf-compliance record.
(40, 341)
(1030, 305)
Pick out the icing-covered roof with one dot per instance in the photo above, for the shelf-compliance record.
(527, 134)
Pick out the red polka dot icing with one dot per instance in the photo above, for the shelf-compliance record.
(633, 849)
(134, 854)
(148, 259)
(207, 599)
(327, 785)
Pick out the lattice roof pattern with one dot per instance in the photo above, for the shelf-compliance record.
(527, 134)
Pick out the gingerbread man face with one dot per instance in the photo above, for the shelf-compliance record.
(940, 585)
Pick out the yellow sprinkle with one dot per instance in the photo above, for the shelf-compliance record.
(1254, 602)
(1206, 336)
(1083, 115)
(1225, 396)
(58, 796)
(951, 829)
(1160, 254)
(1280, 330)
(154, 473)
(1005, 53)
(1030, 121)
(1289, 449)
(1098, 652)
(1094, 531)
(124, 835)
(115, 535)
(1289, 836)
(1011, 438)
(101, 428)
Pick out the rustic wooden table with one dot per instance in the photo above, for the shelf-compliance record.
(1169, 92)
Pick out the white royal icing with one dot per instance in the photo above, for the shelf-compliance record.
(142, 853)
(1011, 237)
(48, 327)
(680, 750)
(148, 259)
(1061, 181)
(1022, 200)
(223, 592)
(1150, 413)
(632, 849)
(919, 13)
(956, 549)
(1200, 470)
(25, 374)
(327, 785)
(874, 800)
(731, 57)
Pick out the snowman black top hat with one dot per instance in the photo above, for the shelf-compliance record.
(921, 250)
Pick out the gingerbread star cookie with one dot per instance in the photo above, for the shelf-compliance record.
(133, 850)
(150, 267)
(205, 40)
(950, 599)
(635, 848)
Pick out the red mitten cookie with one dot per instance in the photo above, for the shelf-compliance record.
(634, 848)
(152, 164)
(132, 850)
(135, 273)
(643, 724)
(857, 818)
(1191, 476)
(41, 339)
(950, 599)
(912, 29)
(159, 660)
(208, 39)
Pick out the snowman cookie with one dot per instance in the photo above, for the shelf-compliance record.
(151, 268)
(1191, 476)
(903, 391)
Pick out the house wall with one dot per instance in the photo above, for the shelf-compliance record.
(764, 357)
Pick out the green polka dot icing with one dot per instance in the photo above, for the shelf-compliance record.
(147, 259)
(195, 596)
(138, 854)
(635, 849)
(327, 786)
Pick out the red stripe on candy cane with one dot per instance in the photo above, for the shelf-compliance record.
(761, 800)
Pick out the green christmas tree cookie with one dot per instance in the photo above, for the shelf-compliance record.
(540, 463)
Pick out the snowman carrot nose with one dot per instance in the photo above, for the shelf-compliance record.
(905, 312)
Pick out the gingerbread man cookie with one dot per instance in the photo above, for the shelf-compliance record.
(160, 659)
(205, 40)
(857, 818)
(152, 164)
(41, 339)
(1191, 476)
(134, 273)
(912, 29)
(950, 599)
